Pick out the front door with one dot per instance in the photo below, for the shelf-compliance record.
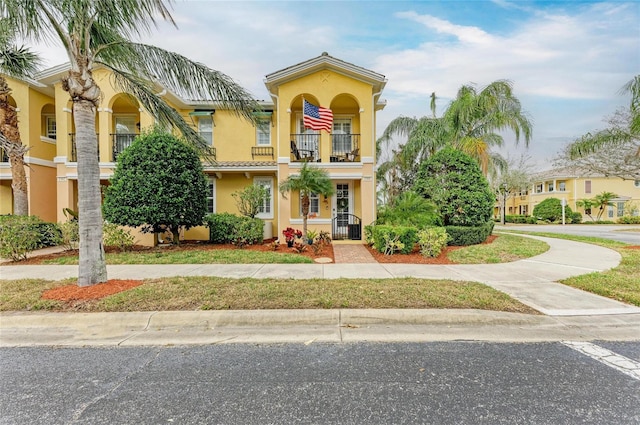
(341, 209)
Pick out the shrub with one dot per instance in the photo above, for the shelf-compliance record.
(159, 184)
(247, 231)
(230, 228)
(468, 235)
(516, 218)
(551, 210)
(70, 235)
(221, 227)
(394, 238)
(453, 181)
(117, 236)
(432, 241)
(250, 199)
(576, 217)
(50, 234)
(629, 220)
(368, 234)
(19, 235)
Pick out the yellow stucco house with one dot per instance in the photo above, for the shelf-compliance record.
(574, 185)
(244, 154)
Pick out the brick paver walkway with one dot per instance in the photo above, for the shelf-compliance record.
(352, 253)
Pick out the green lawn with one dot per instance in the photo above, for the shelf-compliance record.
(211, 256)
(211, 293)
(505, 248)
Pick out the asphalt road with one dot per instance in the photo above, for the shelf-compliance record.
(366, 383)
(623, 233)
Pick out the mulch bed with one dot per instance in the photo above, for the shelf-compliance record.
(74, 292)
(416, 258)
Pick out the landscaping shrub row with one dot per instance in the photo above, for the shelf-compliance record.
(230, 228)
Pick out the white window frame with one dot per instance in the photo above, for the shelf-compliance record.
(211, 195)
(201, 120)
(266, 182)
(314, 197)
(636, 183)
(48, 120)
(562, 186)
(263, 131)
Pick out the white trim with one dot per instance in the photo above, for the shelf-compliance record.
(67, 110)
(59, 159)
(263, 168)
(367, 160)
(49, 140)
(284, 160)
(38, 161)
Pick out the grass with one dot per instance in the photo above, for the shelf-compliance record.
(210, 293)
(621, 283)
(211, 256)
(504, 249)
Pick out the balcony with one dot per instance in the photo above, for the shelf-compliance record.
(74, 151)
(306, 148)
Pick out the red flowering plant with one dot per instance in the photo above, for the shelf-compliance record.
(290, 233)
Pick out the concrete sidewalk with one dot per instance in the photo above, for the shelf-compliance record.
(571, 313)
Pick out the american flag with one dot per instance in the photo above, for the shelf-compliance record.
(317, 117)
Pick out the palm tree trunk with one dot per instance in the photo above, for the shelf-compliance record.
(305, 214)
(92, 269)
(15, 150)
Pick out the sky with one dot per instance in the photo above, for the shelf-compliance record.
(567, 60)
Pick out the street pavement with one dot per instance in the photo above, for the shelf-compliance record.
(567, 313)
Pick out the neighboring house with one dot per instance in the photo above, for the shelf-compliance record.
(244, 154)
(36, 107)
(573, 186)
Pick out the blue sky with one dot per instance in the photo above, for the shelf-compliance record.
(566, 59)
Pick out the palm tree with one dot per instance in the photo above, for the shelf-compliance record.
(310, 180)
(18, 62)
(602, 201)
(470, 123)
(613, 137)
(98, 34)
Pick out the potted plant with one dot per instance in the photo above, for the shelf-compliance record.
(311, 236)
(290, 234)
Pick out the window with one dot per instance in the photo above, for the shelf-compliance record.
(263, 132)
(539, 188)
(211, 196)
(51, 127)
(587, 186)
(314, 204)
(620, 209)
(636, 183)
(562, 186)
(610, 211)
(550, 187)
(266, 209)
(205, 129)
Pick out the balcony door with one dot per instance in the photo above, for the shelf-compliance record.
(341, 140)
(126, 129)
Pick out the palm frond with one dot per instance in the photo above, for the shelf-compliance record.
(189, 79)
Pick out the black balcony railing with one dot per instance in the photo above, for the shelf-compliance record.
(345, 148)
(121, 141)
(305, 147)
(3, 156)
(74, 151)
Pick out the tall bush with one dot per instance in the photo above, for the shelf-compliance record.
(551, 210)
(158, 184)
(410, 209)
(453, 181)
(21, 234)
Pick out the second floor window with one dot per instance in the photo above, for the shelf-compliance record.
(562, 186)
(587, 186)
(263, 132)
(205, 129)
(51, 127)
